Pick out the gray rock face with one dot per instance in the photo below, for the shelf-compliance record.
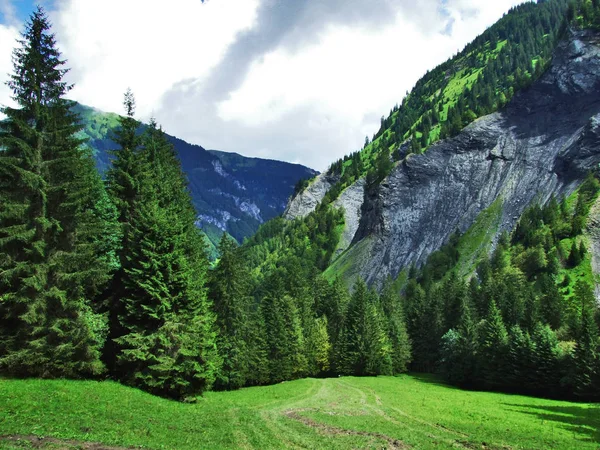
(306, 202)
(542, 144)
(351, 200)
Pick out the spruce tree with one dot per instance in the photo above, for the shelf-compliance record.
(124, 180)
(586, 357)
(283, 331)
(365, 348)
(520, 370)
(459, 350)
(551, 302)
(546, 360)
(396, 329)
(493, 342)
(51, 219)
(331, 301)
(230, 294)
(165, 339)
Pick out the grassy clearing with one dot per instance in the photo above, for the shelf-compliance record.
(385, 412)
(476, 242)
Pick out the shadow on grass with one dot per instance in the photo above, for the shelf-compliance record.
(436, 380)
(583, 422)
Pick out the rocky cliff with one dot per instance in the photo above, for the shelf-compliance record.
(543, 143)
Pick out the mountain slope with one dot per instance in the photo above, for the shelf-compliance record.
(543, 143)
(479, 80)
(231, 192)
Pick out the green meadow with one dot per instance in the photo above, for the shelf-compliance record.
(409, 411)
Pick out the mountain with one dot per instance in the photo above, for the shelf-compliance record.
(479, 180)
(231, 192)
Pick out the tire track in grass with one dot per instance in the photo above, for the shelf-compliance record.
(240, 437)
(393, 444)
(283, 430)
(384, 415)
(50, 442)
(454, 442)
(270, 424)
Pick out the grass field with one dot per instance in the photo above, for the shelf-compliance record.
(386, 412)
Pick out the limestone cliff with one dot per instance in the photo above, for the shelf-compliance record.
(543, 143)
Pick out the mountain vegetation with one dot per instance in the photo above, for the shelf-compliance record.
(230, 192)
(112, 278)
(525, 322)
(479, 80)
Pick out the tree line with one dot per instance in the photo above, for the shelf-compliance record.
(527, 321)
(111, 278)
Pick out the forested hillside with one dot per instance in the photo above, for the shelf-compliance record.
(479, 80)
(231, 192)
(474, 318)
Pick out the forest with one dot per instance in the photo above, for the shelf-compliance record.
(110, 277)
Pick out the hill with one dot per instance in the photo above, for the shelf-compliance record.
(231, 192)
(540, 142)
(384, 412)
(488, 234)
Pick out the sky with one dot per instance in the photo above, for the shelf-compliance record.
(302, 81)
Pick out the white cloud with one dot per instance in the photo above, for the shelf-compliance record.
(7, 9)
(309, 83)
(8, 37)
(148, 45)
(351, 75)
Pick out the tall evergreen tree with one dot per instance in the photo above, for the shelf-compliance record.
(124, 180)
(459, 349)
(546, 360)
(396, 329)
(365, 348)
(166, 337)
(493, 348)
(51, 266)
(586, 356)
(230, 293)
(520, 370)
(285, 338)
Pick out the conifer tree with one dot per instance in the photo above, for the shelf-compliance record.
(551, 302)
(124, 180)
(520, 371)
(331, 301)
(574, 255)
(546, 360)
(230, 294)
(364, 348)
(283, 331)
(396, 329)
(586, 356)
(166, 336)
(492, 348)
(459, 350)
(51, 261)
(258, 362)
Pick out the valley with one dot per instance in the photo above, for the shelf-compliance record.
(408, 411)
(437, 288)
(231, 193)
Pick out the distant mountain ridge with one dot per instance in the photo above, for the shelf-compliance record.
(231, 192)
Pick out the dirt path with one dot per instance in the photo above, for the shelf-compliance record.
(32, 441)
(392, 444)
